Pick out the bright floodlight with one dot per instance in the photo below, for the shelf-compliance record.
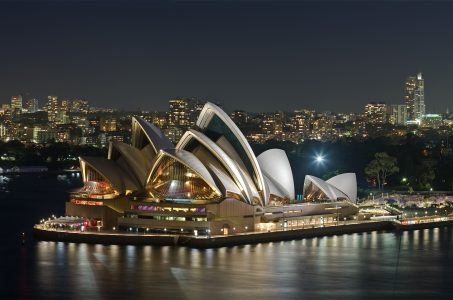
(319, 158)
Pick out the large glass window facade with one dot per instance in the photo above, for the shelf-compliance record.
(174, 180)
(95, 183)
(312, 193)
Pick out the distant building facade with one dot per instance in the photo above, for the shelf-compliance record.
(32, 105)
(414, 97)
(16, 104)
(397, 114)
(52, 108)
(376, 112)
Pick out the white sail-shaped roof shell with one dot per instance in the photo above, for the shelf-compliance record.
(331, 191)
(276, 168)
(111, 171)
(131, 158)
(156, 138)
(211, 110)
(274, 188)
(235, 172)
(347, 183)
(225, 179)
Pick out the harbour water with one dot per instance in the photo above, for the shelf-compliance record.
(376, 265)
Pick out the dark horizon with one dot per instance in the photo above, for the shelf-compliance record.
(256, 56)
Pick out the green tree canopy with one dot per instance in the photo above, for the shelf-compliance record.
(381, 167)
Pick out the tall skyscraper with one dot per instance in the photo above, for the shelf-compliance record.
(16, 103)
(52, 108)
(414, 97)
(397, 114)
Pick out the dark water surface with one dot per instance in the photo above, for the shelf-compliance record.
(377, 265)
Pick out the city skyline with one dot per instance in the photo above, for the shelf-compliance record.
(409, 98)
(365, 52)
(166, 149)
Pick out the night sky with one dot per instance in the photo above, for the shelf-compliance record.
(253, 55)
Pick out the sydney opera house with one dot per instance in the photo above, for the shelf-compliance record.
(210, 182)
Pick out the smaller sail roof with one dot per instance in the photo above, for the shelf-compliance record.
(111, 171)
(347, 183)
(275, 166)
(331, 192)
(154, 135)
(136, 161)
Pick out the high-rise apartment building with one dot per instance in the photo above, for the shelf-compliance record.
(16, 104)
(414, 97)
(179, 112)
(375, 112)
(397, 114)
(272, 125)
(52, 108)
(184, 111)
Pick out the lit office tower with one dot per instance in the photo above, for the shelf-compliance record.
(414, 96)
(375, 112)
(16, 103)
(179, 112)
(272, 125)
(397, 114)
(52, 108)
(301, 121)
(32, 105)
(184, 111)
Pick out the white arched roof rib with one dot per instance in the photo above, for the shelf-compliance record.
(347, 183)
(222, 157)
(189, 160)
(155, 136)
(225, 179)
(209, 110)
(112, 173)
(225, 145)
(331, 192)
(275, 165)
(136, 161)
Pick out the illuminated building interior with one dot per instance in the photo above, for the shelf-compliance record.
(173, 180)
(313, 193)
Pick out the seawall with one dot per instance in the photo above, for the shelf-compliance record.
(225, 241)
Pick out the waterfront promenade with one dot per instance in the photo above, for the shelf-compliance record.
(124, 238)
